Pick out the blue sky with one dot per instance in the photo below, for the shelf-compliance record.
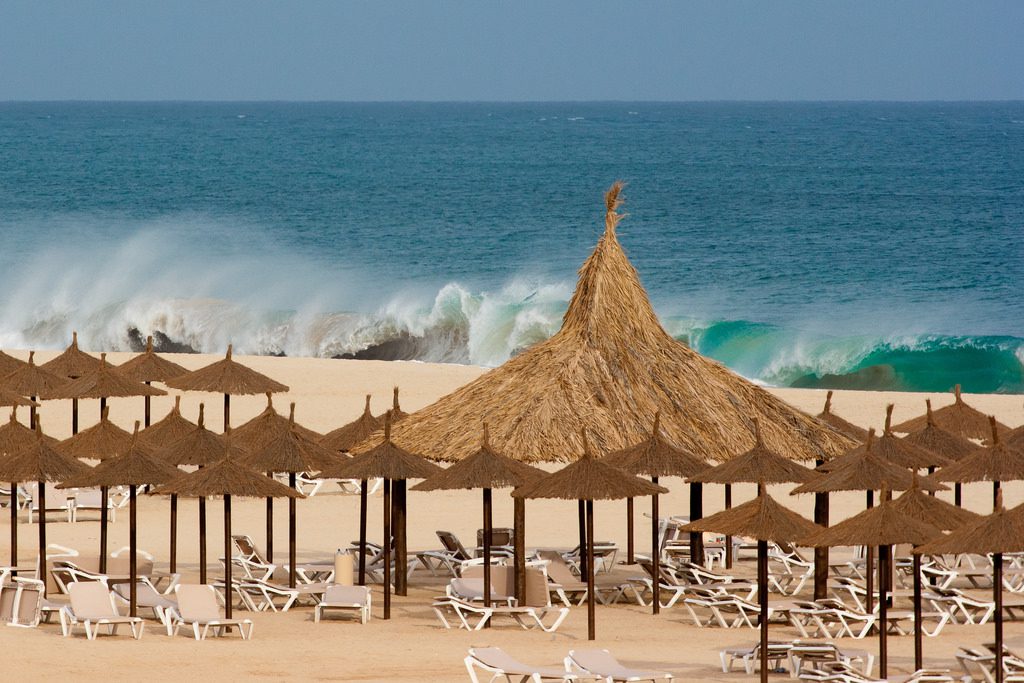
(594, 50)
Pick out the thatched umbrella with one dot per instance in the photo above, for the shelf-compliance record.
(135, 466)
(291, 451)
(998, 533)
(655, 457)
(40, 462)
(227, 377)
(13, 437)
(883, 527)
(958, 418)
(103, 382)
(397, 414)
(895, 450)
(588, 479)
(996, 463)
(765, 520)
(487, 469)
(934, 438)
(606, 371)
(227, 477)
(34, 381)
(72, 363)
(9, 364)
(388, 462)
(148, 367)
(1015, 438)
(839, 424)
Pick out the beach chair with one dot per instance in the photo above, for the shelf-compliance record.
(839, 672)
(450, 556)
(263, 594)
(564, 583)
(502, 539)
(811, 654)
(91, 500)
(750, 655)
(92, 605)
(257, 566)
(198, 606)
(54, 503)
(148, 597)
(605, 553)
(796, 570)
(470, 586)
(601, 663)
(536, 609)
(350, 599)
(673, 586)
(21, 601)
(499, 664)
(972, 610)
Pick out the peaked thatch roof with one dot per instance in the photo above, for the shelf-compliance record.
(934, 438)
(40, 461)
(759, 465)
(761, 518)
(656, 457)
(268, 426)
(344, 438)
(15, 436)
(167, 430)
(958, 418)
(149, 367)
(1000, 532)
(227, 476)
(997, 462)
(9, 364)
(607, 370)
(892, 449)
(135, 466)
(104, 381)
(397, 414)
(199, 447)
(101, 441)
(1015, 438)
(385, 460)
(931, 509)
(839, 424)
(9, 399)
(291, 451)
(226, 376)
(33, 380)
(883, 524)
(485, 469)
(72, 363)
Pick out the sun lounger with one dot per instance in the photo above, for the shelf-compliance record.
(499, 663)
(838, 672)
(605, 553)
(263, 594)
(91, 500)
(148, 597)
(564, 583)
(533, 613)
(92, 605)
(811, 654)
(54, 503)
(198, 606)
(750, 655)
(602, 663)
(353, 599)
(450, 556)
(21, 601)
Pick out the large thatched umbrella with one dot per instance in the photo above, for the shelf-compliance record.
(996, 463)
(880, 527)
(13, 437)
(894, 450)
(839, 424)
(9, 364)
(606, 371)
(397, 414)
(765, 520)
(34, 381)
(655, 457)
(934, 438)
(958, 418)
(487, 469)
(291, 452)
(104, 381)
(998, 533)
(227, 377)
(72, 363)
(227, 477)
(588, 479)
(148, 367)
(135, 466)
(390, 463)
(40, 462)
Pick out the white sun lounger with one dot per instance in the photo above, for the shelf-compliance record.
(147, 597)
(197, 605)
(92, 605)
(602, 663)
(355, 599)
(495, 661)
(534, 613)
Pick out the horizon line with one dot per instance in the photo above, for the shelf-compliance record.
(484, 101)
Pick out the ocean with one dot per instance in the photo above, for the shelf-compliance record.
(845, 245)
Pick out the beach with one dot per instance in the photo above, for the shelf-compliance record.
(413, 645)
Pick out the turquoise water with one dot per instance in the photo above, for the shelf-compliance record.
(853, 245)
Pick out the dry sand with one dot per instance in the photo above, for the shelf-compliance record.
(413, 646)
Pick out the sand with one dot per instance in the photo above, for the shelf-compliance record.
(412, 645)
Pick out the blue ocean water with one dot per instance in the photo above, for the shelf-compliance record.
(869, 245)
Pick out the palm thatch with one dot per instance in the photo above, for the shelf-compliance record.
(892, 449)
(385, 460)
(958, 418)
(9, 399)
(759, 465)
(997, 462)
(656, 457)
(72, 363)
(103, 381)
(99, 442)
(1000, 532)
(40, 461)
(15, 436)
(168, 430)
(136, 466)
(291, 451)
(589, 478)
(9, 364)
(33, 380)
(1015, 438)
(149, 367)
(344, 438)
(934, 438)
(258, 432)
(881, 525)
(839, 424)
(397, 414)
(200, 447)
(930, 509)
(226, 377)
(227, 476)
(762, 519)
(606, 371)
(485, 469)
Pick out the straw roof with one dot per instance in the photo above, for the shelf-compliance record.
(997, 462)
(227, 476)
(883, 524)
(149, 367)
(759, 465)
(33, 380)
(485, 469)
(99, 442)
(397, 414)
(385, 460)
(199, 447)
(589, 478)
(1015, 438)
(72, 363)
(15, 436)
(226, 377)
(930, 509)
(761, 518)
(958, 418)
(135, 466)
(168, 430)
(607, 370)
(40, 461)
(291, 451)
(1000, 532)
(269, 425)
(9, 364)
(892, 449)
(10, 399)
(934, 438)
(656, 457)
(346, 437)
(839, 424)
(104, 381)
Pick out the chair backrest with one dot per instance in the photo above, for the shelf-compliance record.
(537, 594)
(558, 570)
(502, 579)
(347, 595)
(498, 659)
(21, 601)
(122, 565)
(246, 548)
(499, 536)
(90, 498)
(91, 600)
(595, 661)
(452, 544)
(145, 594)
(197, 602)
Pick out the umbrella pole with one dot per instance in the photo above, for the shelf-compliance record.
(292, 513)
(14, 524)
(398, 499)
(270, 525)
(883, 613)
(146, 410)
(104, 501)
(821, 554)
(869, 560)
(957, 495)
(103, 406)
(227, 555)
(728, 539)
(202, 540)
(133, 566)
(629, 531)
(41, 490)
(995, 496)
(918, 638)
(387, 548)
(362, 532)
(487, 550)
(32, 415)
(762, 601)
(227, 412)
(74, 416)
(519, 520)
(582, 514)
(696, 512)
(591, 602)
(174, 533)
(997, 588)
(655, 554)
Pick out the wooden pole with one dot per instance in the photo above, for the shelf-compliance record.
(696, 512)
(958, 495)
(41, 491)
(487, 550)
(14, 524)
(74, 416)
(918, 632)
(591, 601)
(174, 533)
(146, 414)
(202, 540)
(762, 601)
(399, 498)
(728, 539)
(228, 591)
(582, 514)
(869, 559)
(655, 554)
(997, 588)
(270, 525)
(133, 564)
(104, 501)
(519, 520)
(227, 412)
(883, 613)
(362, 532)
(292, 513)
(629, 531)
(821, 554)
(387, 548)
